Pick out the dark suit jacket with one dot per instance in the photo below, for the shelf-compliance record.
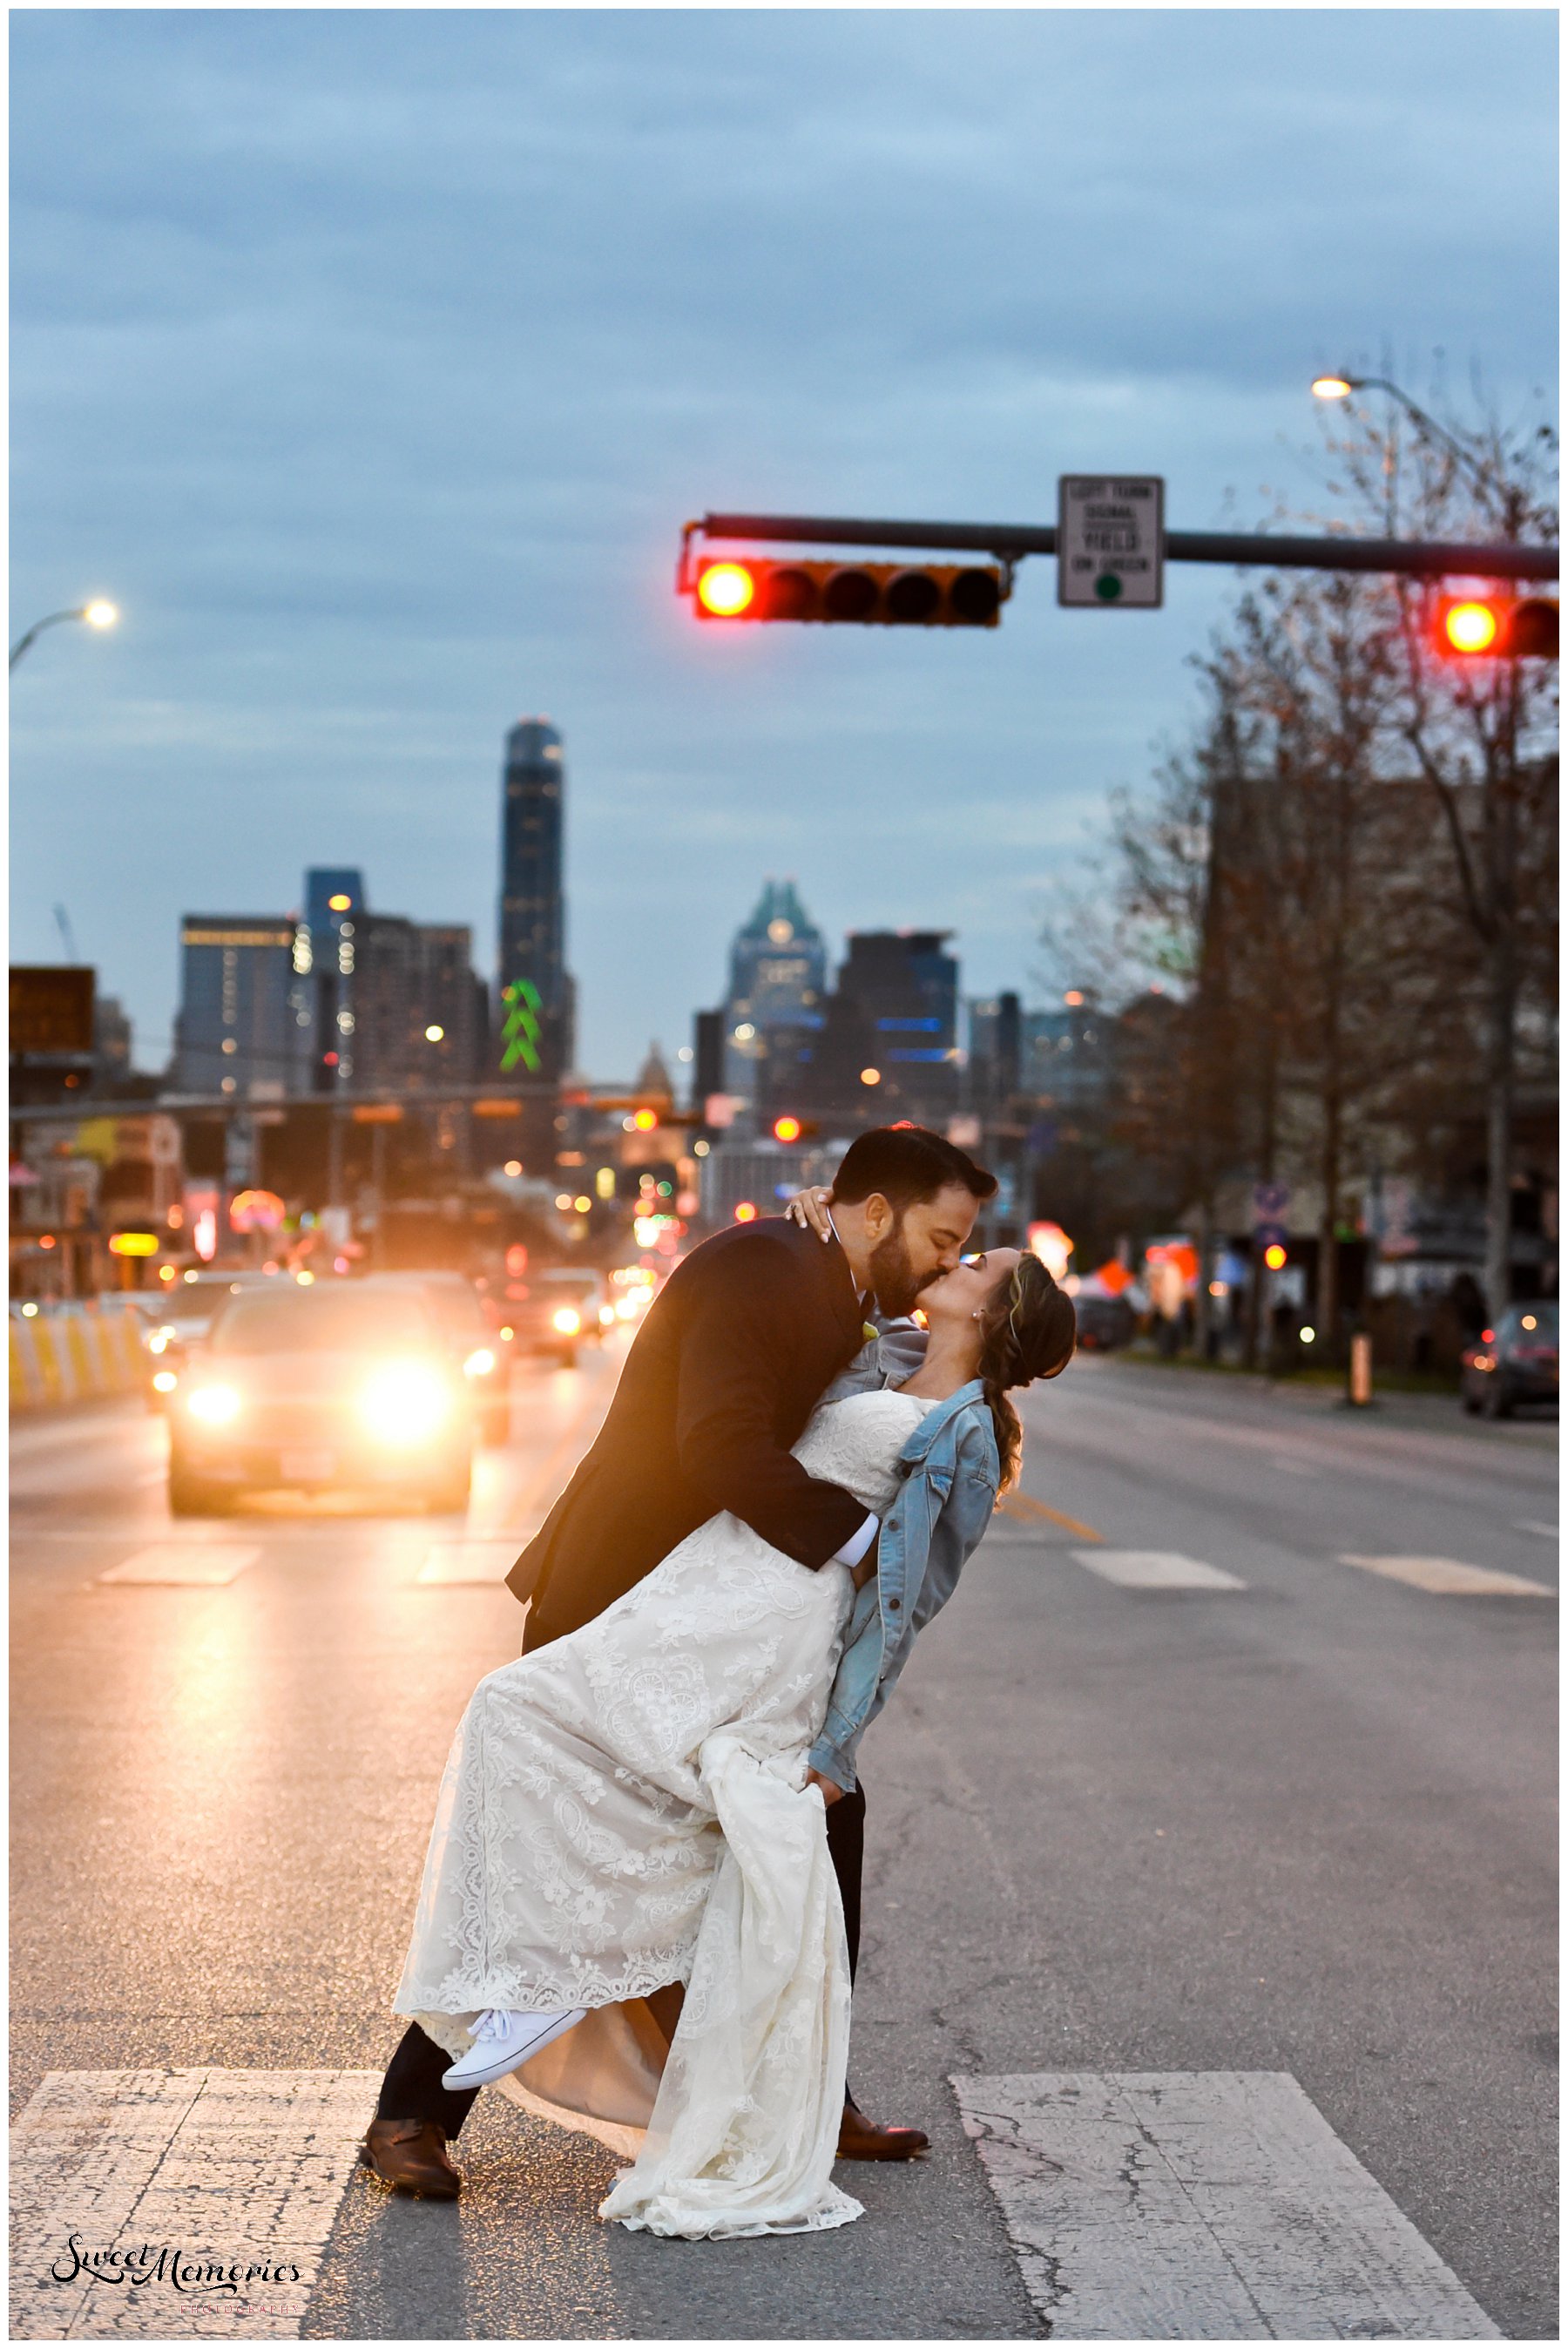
(722, 1375)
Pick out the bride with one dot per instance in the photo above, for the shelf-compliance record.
(629, 1808)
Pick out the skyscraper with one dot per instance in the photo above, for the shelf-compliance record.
(534, 1032)
(234, 1028)
(777, 972)
(321, 999)
(904, 984)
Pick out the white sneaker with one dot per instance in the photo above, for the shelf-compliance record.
(503, 2040)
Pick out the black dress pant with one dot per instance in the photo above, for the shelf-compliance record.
(412, 2090)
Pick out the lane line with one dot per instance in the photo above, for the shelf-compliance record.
(186, 1562)
(1529, 1525)
(223, 2171)
(520, 1495)
(472, 1561)
(1028, 1511)
(1201, 2206)
(1450, 1577)
(1156, 1569)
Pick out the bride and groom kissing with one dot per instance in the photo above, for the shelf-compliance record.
(640, 1910)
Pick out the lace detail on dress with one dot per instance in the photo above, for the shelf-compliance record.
(579, 1826)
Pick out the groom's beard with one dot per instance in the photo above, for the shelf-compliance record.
(894, 1283)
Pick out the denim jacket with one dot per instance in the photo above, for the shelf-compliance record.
(950, 1472)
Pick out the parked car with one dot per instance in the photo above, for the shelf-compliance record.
(1103, 1323)
(1516, 1362)
(560, 1310)
(484, 1354)
(320, 1389)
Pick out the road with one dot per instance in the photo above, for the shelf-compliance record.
(1174, 1801)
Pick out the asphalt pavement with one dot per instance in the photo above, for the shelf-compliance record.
(1229, 1769)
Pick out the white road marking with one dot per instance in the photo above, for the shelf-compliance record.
(1529, 1525)
(223, 2171)
(1156, 1569)
(1293, 1467)
(176, 1562)
(1201, 2206)
(472, 1561)
(1450, 1577)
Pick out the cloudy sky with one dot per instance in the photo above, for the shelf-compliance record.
(371, 361)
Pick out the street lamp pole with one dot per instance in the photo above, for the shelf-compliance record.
(1340, 386)
(97, 614)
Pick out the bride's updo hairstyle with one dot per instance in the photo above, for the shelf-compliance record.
(1029, 1332)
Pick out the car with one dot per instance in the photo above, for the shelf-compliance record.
(1103, 1323)
(182, 1319)
(555, 1311)
(1514, 1363)
(456, 1306)
(337, 1386)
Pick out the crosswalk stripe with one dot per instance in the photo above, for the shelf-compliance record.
(1156, 1569)
(1450, 1577)
(1201, 2206)
(184, 1562)
(472, 1561)
(169, 2205)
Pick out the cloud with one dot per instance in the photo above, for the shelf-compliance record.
(372, 359)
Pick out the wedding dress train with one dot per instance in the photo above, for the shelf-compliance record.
(627, 1809)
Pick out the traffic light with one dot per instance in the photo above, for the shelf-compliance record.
(868, 594)
(1497, 627)
(790, 1128)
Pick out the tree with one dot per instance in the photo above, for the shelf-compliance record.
(1481, 735)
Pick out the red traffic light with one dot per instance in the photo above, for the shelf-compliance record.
(867, 594)
(724, 591)
(1470, 626)
(1497, 627)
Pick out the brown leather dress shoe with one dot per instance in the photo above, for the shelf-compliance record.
(862, 2140)
(412, 2155)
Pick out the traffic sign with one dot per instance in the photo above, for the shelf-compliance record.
(1110, 540)
(1271, 1202)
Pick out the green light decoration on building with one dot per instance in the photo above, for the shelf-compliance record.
(520, 1029)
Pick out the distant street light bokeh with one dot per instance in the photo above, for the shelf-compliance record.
(98, 614)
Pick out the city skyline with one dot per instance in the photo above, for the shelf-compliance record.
(383, 436)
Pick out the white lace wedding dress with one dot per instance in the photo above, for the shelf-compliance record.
(627, 1809)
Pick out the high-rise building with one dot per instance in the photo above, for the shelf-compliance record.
(322, 998)
(778, 977)
(235, 1027)
(535, 1033)
(904, 986)
(1054, 1057)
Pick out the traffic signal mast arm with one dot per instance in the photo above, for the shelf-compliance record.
(1007, 542)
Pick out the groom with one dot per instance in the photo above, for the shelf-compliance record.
(726, 1369)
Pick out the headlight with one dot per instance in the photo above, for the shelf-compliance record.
(158, 1341)
(480, 1365)
(216, 1405)
(567, 1319)
(626, 1308)
(164, 1381)
(404, 1402)
(606, 1316)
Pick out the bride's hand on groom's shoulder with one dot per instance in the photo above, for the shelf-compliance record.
(809, 1208)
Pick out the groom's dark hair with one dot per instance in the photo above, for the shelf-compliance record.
(908, 1165)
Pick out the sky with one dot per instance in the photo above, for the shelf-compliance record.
(372, 360)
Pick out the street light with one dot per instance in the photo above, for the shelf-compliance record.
(98, 614)
(1340, 386)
